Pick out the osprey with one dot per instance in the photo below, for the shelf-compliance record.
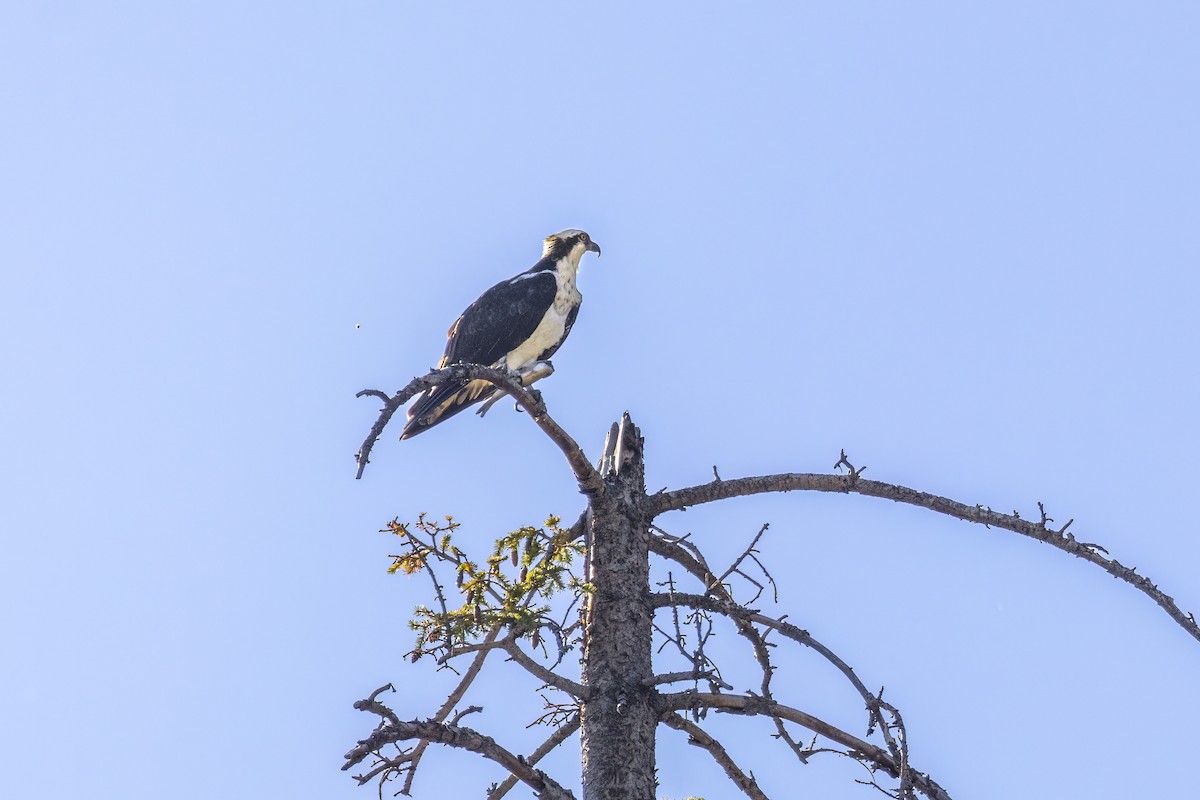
(515, 325)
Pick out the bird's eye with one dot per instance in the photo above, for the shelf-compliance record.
(583, 237)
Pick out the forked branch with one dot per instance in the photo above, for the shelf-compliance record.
(719, 599)
(738, 613)
(462, 737)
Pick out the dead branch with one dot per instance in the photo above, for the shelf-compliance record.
(749, 553)
(541, 673)
(693, 561)
(701, 663)
(440, 716)
(798, 635)
(694, 675)
(853, 484)
(554, 740)
(720, 600)
(461, 737)
(373, 705)
(699, 737)
(510, 646)
(529, 399)
(745, 704)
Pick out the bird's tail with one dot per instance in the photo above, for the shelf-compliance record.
(443, 402)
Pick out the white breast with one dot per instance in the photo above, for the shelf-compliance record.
(549, 331)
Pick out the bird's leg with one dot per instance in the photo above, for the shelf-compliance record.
(535, 372)
(526, 375)
(483, 409)
(512, 373)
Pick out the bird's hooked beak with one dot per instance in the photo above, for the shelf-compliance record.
(595, 248)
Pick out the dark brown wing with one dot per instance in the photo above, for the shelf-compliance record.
(503, 317)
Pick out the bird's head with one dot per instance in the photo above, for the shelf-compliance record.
(570, 243)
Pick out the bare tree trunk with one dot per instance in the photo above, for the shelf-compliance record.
(618, 720)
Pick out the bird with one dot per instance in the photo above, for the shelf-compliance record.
(516, 325)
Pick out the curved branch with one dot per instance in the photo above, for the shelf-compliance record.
(699, 737)
(528, 399)
(853, 484)
(509, 645)
(554, 740)
(546, 676)
(466, 739)
(743, 704)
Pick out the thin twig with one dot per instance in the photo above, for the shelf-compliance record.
(745, 553)
(451, 701)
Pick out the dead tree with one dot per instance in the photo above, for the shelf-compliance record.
(613, 615)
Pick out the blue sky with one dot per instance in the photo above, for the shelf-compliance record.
(957, 240)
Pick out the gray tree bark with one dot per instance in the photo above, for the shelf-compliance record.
(618, 720)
